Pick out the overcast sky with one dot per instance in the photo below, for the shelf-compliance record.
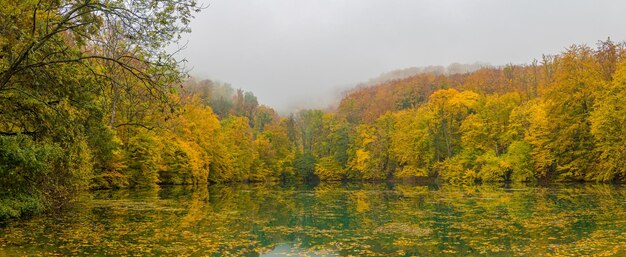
(294, 53)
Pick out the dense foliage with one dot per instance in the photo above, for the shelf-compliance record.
(77, 77)
(560, 119)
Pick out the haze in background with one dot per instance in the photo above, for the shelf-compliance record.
(303, 54)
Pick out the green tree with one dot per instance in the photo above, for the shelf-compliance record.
(143, 159)
(309, 126)
(332, 149)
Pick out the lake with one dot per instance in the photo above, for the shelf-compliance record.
(331, 220)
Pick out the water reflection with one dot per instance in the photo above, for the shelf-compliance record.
(331, 220)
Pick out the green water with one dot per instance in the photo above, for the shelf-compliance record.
(331, 220)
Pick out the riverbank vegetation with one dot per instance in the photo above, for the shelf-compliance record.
(89, 99)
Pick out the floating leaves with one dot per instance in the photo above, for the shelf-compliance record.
(403, 229)
(331, 220)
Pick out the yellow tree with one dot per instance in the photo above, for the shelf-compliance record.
(370, 151)
(237, 137)
(529, 124)
(608, 126)
(412, 143)
(485, 136)
(192, 136)
(264, 167)
(569, 100)
(449, 108)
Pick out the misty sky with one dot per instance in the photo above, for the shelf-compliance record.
(299, 53)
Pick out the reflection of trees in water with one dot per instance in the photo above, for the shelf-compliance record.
(353, 219)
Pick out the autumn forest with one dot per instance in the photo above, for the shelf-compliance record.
(90, 99)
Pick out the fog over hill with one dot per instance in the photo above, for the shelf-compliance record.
(303, 54)
(454, 68)
(329, 97)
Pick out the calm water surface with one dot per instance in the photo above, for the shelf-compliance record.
(331, 220)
